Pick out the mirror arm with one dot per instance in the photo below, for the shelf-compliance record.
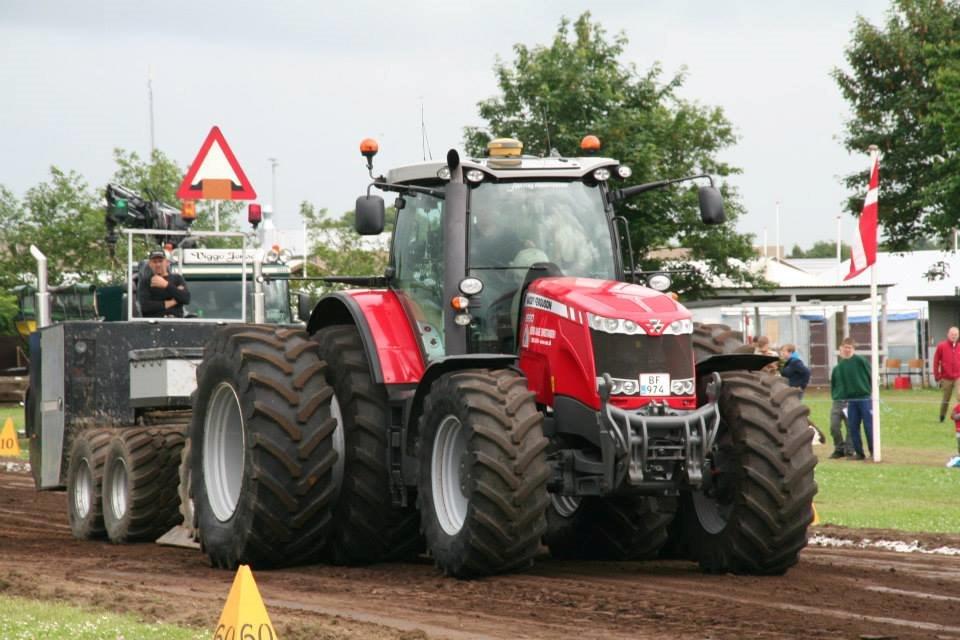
(404, 189)
(616, 195)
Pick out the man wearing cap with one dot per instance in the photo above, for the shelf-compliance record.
(163, 294)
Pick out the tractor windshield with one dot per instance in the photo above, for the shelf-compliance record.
(220, 298)
(513, 225)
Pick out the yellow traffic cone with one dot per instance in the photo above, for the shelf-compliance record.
(9, 446)
(244, 614)
(816, 516)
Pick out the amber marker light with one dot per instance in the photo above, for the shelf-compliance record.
(369, 148)
(460, 303)
(188, 211)
(590, 143)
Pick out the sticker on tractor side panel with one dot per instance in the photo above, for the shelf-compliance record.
(551, 306)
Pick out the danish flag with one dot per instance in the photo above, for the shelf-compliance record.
(863, 253)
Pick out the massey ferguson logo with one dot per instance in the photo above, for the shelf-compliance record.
(657, 325)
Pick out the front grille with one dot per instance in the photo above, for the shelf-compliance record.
(627, 356)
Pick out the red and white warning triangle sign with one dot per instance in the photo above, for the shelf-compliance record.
(215, 174)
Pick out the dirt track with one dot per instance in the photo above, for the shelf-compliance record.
(832, 593)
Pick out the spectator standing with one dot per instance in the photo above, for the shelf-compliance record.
(762, 348)
(794, 370)
(850, 381)
(956, 423)
(946, 368)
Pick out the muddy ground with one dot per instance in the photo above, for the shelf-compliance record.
(831, 593)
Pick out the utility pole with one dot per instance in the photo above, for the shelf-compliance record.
(150, 99)
(778, 231)
(839, 239)
(273, 183)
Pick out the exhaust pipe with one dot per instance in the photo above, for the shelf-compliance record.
(43, 295)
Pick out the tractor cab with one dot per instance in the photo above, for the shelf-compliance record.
(519, 214)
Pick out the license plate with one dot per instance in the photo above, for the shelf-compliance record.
(654, 384)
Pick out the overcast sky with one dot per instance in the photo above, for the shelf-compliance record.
(305, 81)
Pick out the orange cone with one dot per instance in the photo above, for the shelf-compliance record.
(244, 614)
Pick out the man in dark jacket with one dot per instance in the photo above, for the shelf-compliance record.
(796, 373)
(946, 368)
(162, 294)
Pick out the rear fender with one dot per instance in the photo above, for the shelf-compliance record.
(388, 340)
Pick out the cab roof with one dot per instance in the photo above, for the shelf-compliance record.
(524, 167)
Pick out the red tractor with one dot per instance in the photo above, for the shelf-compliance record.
(504, 385)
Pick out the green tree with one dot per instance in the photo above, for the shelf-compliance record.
(64, 219)
(338, 250)
(903, 86)
(159, 180)
(551, 96)
(821, 249)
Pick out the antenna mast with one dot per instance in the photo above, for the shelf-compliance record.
(424, 142)
(150, 97)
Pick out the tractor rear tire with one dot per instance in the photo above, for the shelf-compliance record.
(366, 525)
(262, 448)
(609, 528)
(140, 483)
(483, 473)
(753, 518)
(88, 453)
(716, 339)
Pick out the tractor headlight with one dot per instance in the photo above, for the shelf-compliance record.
(621, 386)
(679, 328)
(614, 325)
(471, 286)
(443, 173)
(659, 281)
(624, 171)
(682, 387)
(475, 175)
(601, 174)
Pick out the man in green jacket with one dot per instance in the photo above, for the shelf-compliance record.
(850, 381)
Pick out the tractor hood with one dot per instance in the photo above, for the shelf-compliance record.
(577, 298)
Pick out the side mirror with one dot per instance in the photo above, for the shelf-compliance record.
(711, 206)
(304, 306)
(370, 216)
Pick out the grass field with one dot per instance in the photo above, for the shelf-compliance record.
(22, 619)
(910, 489)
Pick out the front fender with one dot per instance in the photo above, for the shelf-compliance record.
(388, 340)
(722, 362)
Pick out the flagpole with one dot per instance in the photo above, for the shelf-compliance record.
(874, 341)
(874, 364)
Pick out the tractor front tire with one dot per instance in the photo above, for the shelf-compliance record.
(262, 448)
(366, 525)
(483, 473)
(608, 528)
(140, 483)
(88, 453)
(753, 516)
